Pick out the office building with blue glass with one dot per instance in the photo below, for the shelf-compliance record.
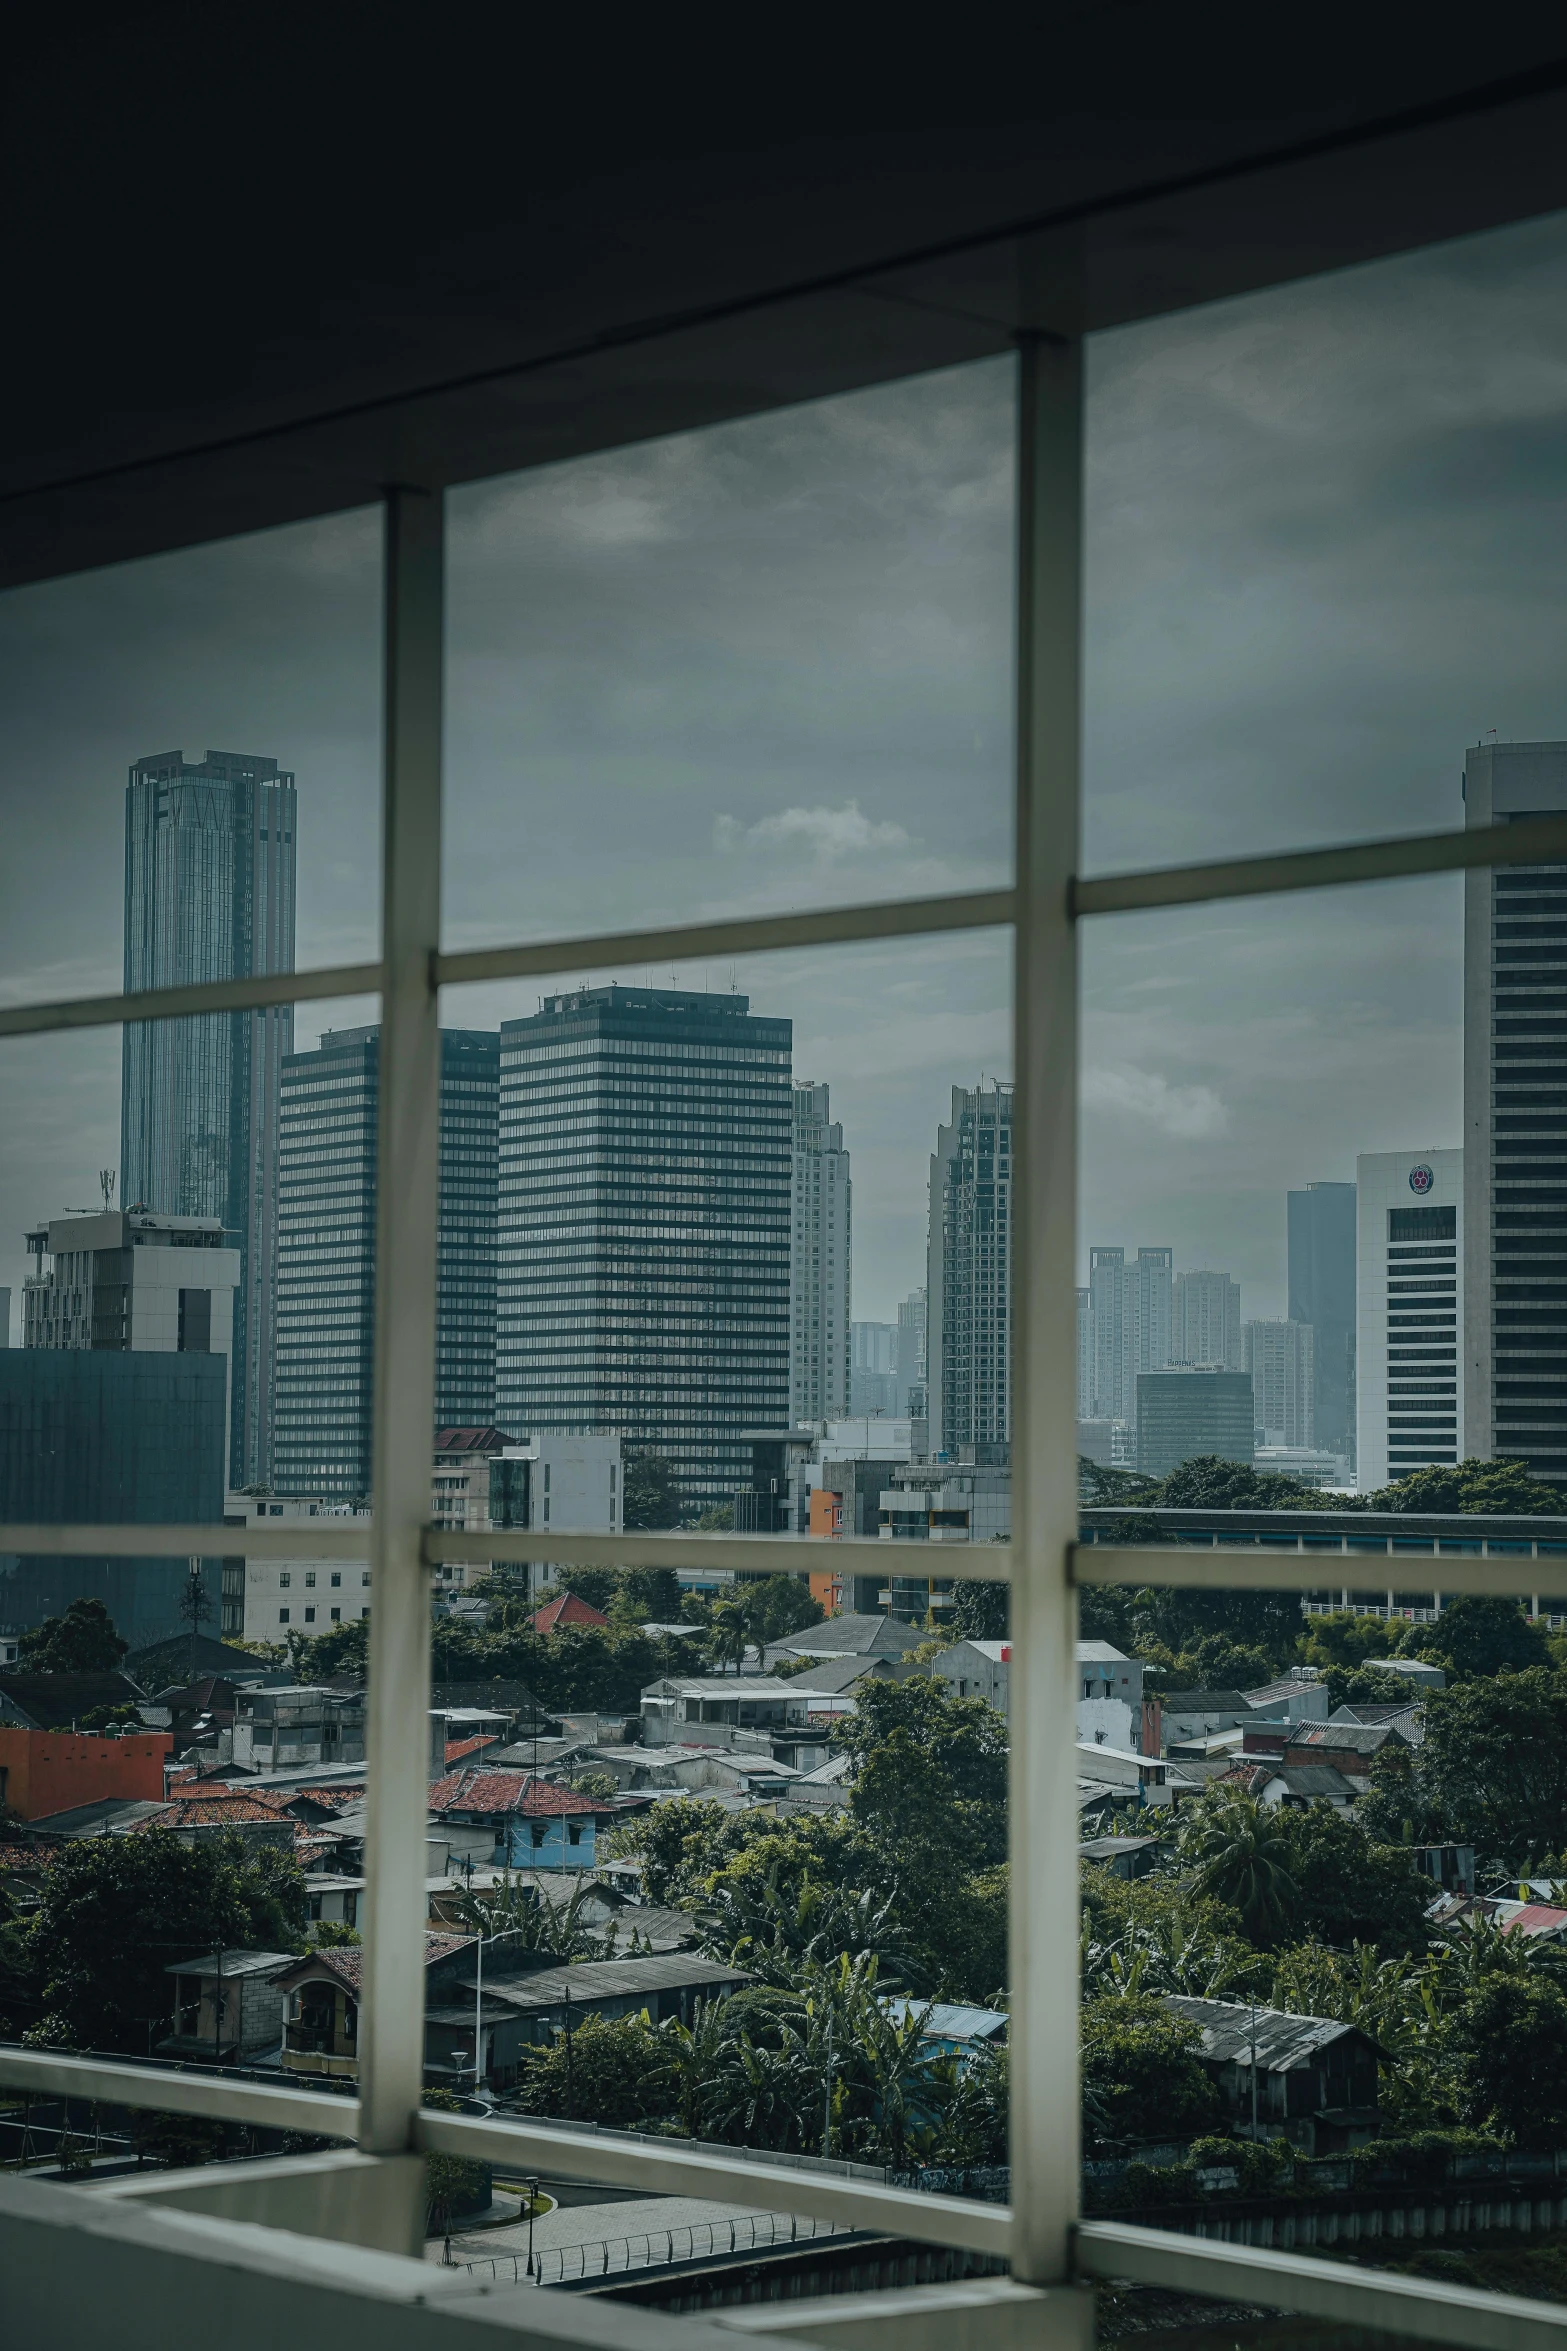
(643, 1261)
(327, 1188)
(98, 1435)
(209, 895)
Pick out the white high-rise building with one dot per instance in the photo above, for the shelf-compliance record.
(819, 1263)
(911, 1355)
(1207, 1320)
(1281, 1357)
(1131, 1315)
(1408, 1312)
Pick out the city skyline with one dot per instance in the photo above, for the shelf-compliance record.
(1321, 534)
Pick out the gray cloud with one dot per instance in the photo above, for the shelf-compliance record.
(770, 665)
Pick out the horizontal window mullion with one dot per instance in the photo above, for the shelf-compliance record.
(1534, 840)
(671, 2169)
(252, 993)
(1234, 1567)
(321, 1538)
(1436, 2312)
(168, 2090)
(723, 1554)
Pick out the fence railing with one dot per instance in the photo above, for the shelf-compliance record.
(700, 2240)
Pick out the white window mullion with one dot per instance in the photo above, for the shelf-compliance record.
(391, 2014)
(1043, 1798)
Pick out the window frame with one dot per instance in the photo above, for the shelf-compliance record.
(1041, 2233)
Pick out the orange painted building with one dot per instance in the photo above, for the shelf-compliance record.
(826, 1520)
(54, 1771)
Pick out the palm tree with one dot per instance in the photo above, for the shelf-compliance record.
(1242, 1855)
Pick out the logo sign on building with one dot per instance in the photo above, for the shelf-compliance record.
(1420, 1178)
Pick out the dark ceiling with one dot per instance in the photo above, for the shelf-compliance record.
(257, 264)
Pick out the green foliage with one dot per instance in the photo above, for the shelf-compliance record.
(532, 1924)
(602, 1784)
(1492, 1771)
(980, 1612)
(332, 1934)
(1480, 1633)
(83, 1640)
(1346, 1640)
(115, 1911)
(778, 1605)
(1105, 1613)
(342, 1650)
(1513, 2069)
(112, 1719)
(620, 2071)
(1156, 1934)
(717, 1519)
(1141, 2077)
(1203, 1629)
(1242, 1855)
(646, 1595)
(175, 2142)
(1351, 1889)
(650, 1497)
(1209, 1483)
(1501, 1487)
(576, 1668)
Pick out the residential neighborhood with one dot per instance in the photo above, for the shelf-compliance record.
(681, 1844)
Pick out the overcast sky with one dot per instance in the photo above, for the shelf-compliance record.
(769, 665)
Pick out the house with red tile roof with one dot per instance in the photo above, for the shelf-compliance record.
(511, 1819)
(566, 1609)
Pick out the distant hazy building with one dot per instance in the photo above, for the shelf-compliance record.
(873, 1378)
(644, 1245)
(1183, 1415)
(99, 1435)
(1206, 1321)
(1410, 1370)
(326, 1257)
(209, 895)
(1321, 1229)
(1515, 1123)
(911, 1357)
(819, 1268)
(1131, 1310)
(5, 1315)
(969, 1271)
(1281, 1358)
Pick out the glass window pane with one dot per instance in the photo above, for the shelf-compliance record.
(750, 668)
(1323, 530)
(714, 1251)
(131, 864)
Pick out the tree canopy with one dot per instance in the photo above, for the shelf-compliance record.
(650, 1498)
(115, 1912)
(83, 1640)
(1491, 1772)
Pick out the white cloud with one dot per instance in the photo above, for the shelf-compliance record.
(1187, 1113)
(828, 833)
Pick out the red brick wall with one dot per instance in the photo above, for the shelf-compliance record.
(53, 1771)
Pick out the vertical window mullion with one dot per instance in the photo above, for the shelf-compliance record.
(391, 2013)
(1043, 1793)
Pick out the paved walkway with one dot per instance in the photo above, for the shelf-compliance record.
(600, 2239)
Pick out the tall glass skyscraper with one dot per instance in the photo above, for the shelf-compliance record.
(326, 1254)
(1322, 1293)
(209, 895)
(1515, 1124)
(970, 1271)
(644, 1242)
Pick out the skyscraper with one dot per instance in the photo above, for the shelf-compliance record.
(1321, 1221)
(1206, 1321)
(326, 1254)
(1184, 1415)
(1131, 1311)
(1410, 1376)
(1515, 1123)
(820, 1234)
(873, 1370)
(644, 1231)
(1281, 1358)
(911, 1355)
(969, 1270)
(209, 895)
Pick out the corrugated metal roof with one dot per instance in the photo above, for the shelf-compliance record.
(1282, 2040)
(599, 1979)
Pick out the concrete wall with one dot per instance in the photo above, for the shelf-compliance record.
(53, 1771)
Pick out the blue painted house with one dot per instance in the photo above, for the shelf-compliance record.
(530, 1823)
